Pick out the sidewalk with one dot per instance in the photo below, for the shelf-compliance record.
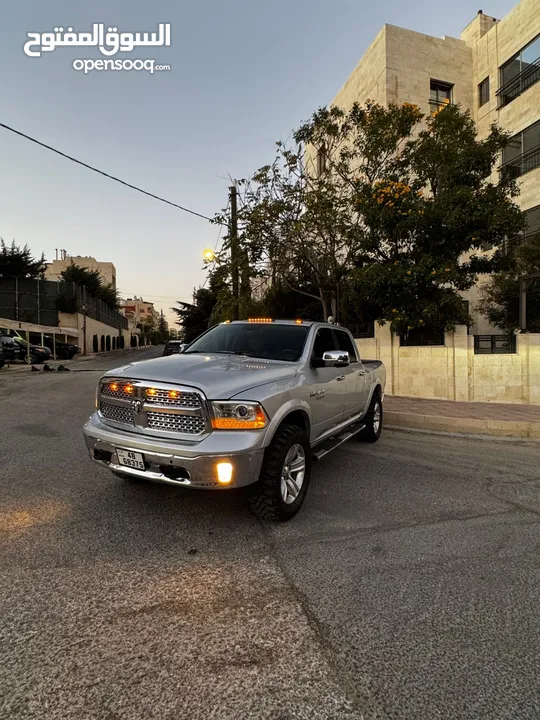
(495, 419)
(21, 367)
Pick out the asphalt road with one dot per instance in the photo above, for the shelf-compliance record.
(408, 587)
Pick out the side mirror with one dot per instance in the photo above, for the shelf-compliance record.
(336, 358)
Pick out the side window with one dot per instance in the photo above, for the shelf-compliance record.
(345, 343)
(324, 341)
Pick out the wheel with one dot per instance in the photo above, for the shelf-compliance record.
(285, 475)
(373, 420)
(33, 359)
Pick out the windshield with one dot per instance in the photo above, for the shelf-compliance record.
(270, 342)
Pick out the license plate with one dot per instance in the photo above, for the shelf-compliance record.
(131, 459)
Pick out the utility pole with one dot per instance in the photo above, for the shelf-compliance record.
(234, 252)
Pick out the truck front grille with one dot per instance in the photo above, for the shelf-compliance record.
(174, 399)
(117, 413)
(185, 424)
(153, 408)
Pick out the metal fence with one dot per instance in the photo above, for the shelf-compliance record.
(494, 344)
(362, 330)
(420, 337)
(39, 301)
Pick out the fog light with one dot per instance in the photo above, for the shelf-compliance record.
(224, 472)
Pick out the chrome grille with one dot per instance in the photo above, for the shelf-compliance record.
(120, 394)
(183, 414)
(116, 413)
(184, 424)
(184, 399)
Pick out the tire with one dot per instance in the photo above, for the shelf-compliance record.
(271, 498)
(33, 359)
(373, 420)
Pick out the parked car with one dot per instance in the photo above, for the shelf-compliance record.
(64, 351)
(11, 351)
(249, 403)
(38, 353)
(173, 347)
(2, 359)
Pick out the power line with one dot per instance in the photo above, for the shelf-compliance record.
(101, 172)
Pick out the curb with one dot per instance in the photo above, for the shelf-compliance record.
(463, 426)
(18, 367)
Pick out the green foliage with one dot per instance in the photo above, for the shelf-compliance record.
(195, 318)
(500, 295)
(17, 262)
(377, 213)
(93, 282)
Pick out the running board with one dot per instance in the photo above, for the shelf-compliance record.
(332, 443)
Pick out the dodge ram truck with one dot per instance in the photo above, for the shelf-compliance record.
(249, 403)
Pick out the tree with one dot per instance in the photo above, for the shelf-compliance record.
(161, 335)
(17, 262)
(93, 282)
(428, 217)
(500, 295)
(382, 208)
(196, 317)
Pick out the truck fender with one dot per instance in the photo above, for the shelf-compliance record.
(290, 407)
(376, 384)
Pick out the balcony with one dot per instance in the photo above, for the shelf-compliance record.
(518, 84)
(524, 163)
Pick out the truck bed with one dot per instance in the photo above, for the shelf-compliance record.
(372, 365)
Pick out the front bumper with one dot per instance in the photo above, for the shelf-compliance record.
(174, 463)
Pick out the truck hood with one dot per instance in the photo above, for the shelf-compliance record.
(219, 377)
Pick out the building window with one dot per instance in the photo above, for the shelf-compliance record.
(322, 161)
(522, 154)
(483, 92)
(520, 73)
(440, 95)
(532, 227)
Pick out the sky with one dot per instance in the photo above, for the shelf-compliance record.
(243, 75)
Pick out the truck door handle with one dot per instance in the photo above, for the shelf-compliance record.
(341, 377)
(361, 372)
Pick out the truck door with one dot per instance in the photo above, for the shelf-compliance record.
(327, 394)
(356, 383)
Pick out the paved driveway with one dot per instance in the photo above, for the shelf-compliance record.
(408, 587)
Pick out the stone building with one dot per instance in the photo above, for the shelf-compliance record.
(493, 70)
(106, 269)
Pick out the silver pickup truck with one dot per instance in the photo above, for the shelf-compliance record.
(249, 403)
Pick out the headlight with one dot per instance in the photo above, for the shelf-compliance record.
(233, 415)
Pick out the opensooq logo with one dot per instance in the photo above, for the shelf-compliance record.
(109, 42)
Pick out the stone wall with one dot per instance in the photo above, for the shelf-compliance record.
(454, 371)
(93, 327)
